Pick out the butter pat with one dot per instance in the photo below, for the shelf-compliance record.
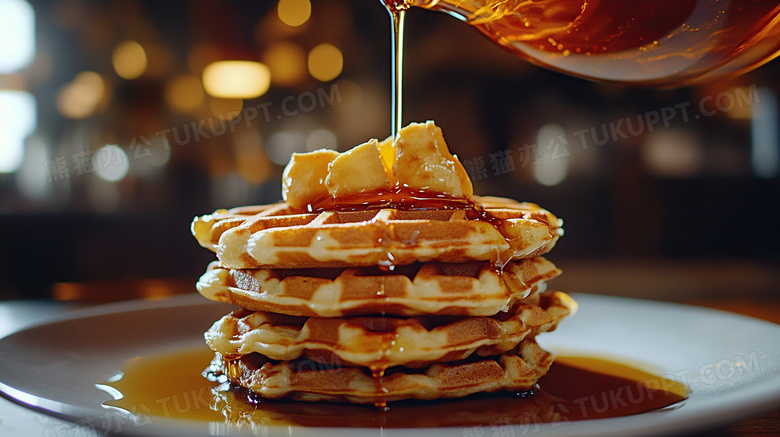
(303, 180)
(418, 161)
(358, 170)
(423, 162)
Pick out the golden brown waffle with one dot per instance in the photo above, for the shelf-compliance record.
(389, 341)
(277, 237)
(208, 228)
(306, 380)
(473, 288)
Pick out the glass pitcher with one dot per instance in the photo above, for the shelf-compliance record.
(662, 43)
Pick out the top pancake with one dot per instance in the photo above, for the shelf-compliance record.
(277, 236)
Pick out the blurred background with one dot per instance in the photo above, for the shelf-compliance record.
(122, 120)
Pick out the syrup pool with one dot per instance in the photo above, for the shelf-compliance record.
(576, 388)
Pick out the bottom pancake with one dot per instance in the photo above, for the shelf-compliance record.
(306, 380)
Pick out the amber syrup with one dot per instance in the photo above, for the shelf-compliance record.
(397, 10)
(575, 388)
(664, 43)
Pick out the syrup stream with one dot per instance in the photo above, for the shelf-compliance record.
(397, 10)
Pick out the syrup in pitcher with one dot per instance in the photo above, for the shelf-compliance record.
(663, 43)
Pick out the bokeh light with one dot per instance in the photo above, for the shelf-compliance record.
(294, 12)
(286, 61)
(111, 163)
(553, 167)
(17, 120)
(28, 177)
(17, 33)
(92, 86)
(672, 152)
(80, 98)
(321, 139)
(765, 135)
(283, 144)
(73, 102)
(184, 93)
(236, 79)
(129, 60)
(325, 62)
(92, 82)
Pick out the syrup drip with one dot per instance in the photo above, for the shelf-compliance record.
(378, 373)
(575, 388)
(232, 368)
(379, 367)
(513, 286)
(401, 198)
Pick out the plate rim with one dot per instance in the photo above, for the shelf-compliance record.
(763, 397)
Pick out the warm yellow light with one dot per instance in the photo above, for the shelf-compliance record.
(226, 108)
(294, 12)
(93, 84)
(129, 60)
(80, 98)
(325, 62)
(74, 102)
(184, 93)
(236, 79)
(287, 62)
(673, 153)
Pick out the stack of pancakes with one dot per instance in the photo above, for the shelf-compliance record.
(370, 294)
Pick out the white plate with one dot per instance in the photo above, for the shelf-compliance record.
(731, 362)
